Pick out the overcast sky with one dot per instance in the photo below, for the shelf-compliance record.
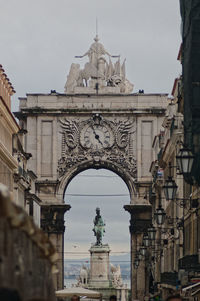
(79, 220)
(39, 40)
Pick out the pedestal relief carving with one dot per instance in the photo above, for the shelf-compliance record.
(97, 139)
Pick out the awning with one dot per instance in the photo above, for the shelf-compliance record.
(79, 291)
(191, 289)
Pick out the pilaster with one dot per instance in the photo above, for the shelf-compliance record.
(139, 223)
(52, 222)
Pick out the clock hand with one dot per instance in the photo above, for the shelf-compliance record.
(95, 134)
(99, 141)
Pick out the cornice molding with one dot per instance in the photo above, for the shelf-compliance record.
(6, 113)
(7, 157)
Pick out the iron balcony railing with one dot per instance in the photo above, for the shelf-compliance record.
(23, 173)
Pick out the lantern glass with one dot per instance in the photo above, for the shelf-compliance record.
(185, 161)
(143, 250)
(152, 233)
(159, 215)
(139, 255)
(170, 189)
(146, 240)
(136, 262)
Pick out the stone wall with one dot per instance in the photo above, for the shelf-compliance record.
(26, 255)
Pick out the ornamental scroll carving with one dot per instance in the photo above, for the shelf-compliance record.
(121, 152)
(70, 132)
(123, 133)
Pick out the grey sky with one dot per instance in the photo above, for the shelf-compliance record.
(39, 40)
(79, 220)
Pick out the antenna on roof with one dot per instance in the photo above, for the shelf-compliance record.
(96, 26)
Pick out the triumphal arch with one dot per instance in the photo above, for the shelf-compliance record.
(96, 123)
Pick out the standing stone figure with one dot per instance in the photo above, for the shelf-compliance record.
(95, 52)
(99, 227)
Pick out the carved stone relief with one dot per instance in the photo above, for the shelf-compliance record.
(97, 139)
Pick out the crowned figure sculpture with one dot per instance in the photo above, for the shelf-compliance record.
(99, 73)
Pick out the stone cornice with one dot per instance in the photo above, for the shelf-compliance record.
(95, 95)
(6, 81)
(6, 113)
(35, 111)
(134, 209)
(7, 157)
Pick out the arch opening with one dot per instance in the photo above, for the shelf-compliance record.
(110, 166)
(87, 190)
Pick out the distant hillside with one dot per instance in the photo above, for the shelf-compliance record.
(125, 258)
(72, 266)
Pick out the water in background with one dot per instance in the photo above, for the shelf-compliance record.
(69, 282)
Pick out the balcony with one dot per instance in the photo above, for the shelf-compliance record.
(170, 278)
(189, 263)
(23, 173)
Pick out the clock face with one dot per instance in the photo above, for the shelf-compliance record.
(96, 137)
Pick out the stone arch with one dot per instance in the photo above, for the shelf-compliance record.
(116, 168)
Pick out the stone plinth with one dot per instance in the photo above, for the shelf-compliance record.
(99, 266)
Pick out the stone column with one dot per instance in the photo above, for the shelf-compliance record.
(139, 223)
(52, 222)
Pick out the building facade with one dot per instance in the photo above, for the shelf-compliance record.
(13, 158)
(175, 197)
(26, 256)
(8, 128)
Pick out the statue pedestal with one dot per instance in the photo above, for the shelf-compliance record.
(99, 266)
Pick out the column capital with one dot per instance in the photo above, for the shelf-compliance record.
(141, 217)
(52, 217)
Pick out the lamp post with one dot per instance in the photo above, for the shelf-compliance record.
(139, 255)
(160, 215)
(185, 160)
(151, 233)
(146, 240)
(136, 262)
(170, 189)
(143, 250)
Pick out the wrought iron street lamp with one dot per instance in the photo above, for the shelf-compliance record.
(139, 255)
(151, 233)
(136, 262)
(170, 189)
(160, 215)
(146, 240)
(185, 160)
(143, 250)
